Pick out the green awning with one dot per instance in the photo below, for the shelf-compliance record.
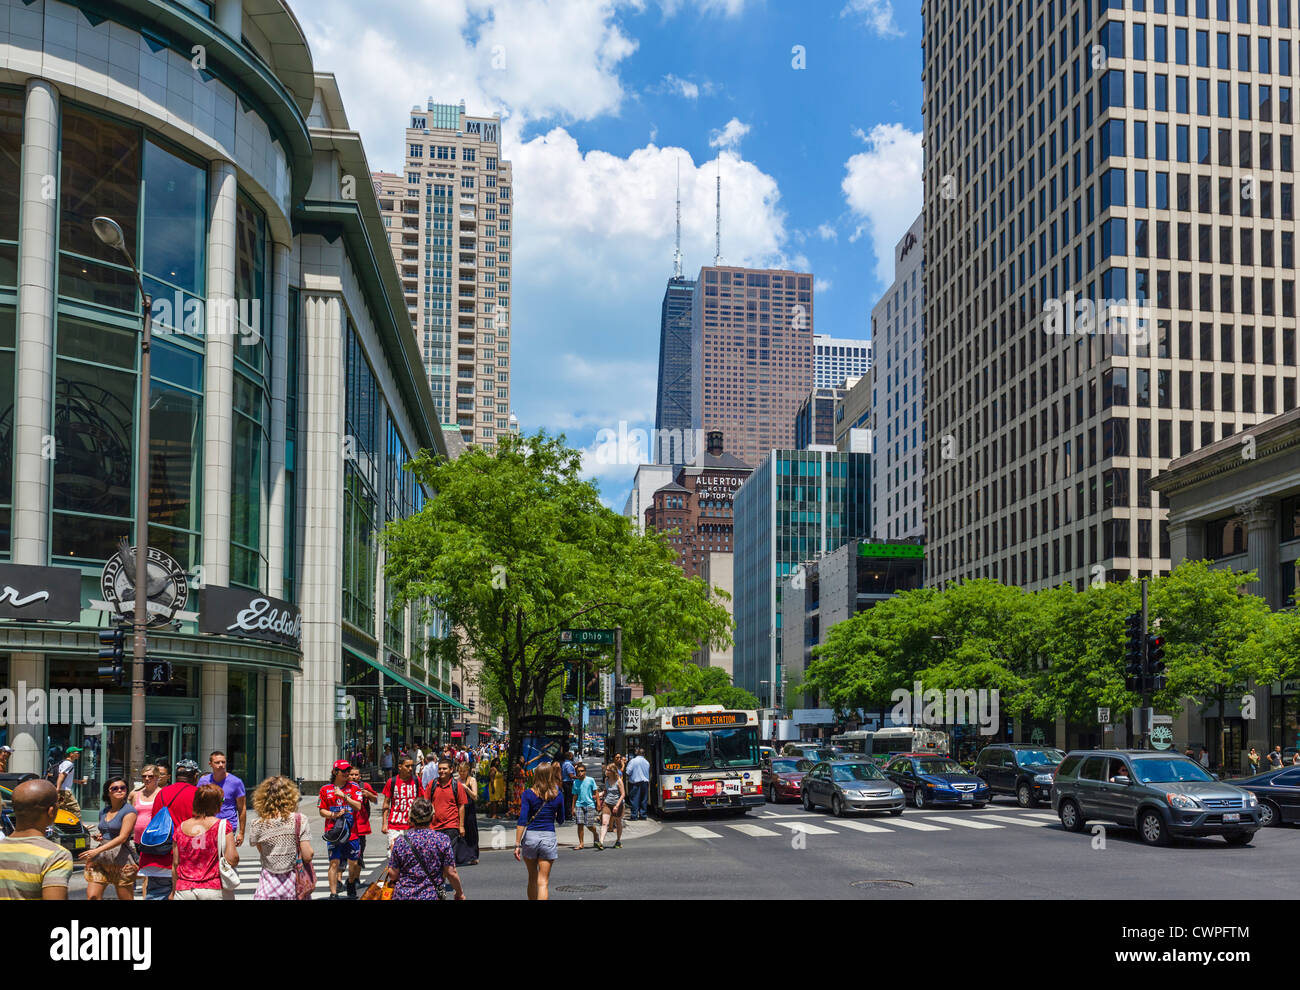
(404, 680)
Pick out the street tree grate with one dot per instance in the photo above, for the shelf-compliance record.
(581, 888)
(879, 884)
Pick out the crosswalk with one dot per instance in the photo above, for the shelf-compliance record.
(768, 823)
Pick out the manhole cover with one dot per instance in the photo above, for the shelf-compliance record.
(882, 884)
(581, 888)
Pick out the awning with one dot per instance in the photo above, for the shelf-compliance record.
(404, 680)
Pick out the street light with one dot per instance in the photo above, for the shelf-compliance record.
(108, 231)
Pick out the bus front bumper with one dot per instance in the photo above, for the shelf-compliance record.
(713, 803)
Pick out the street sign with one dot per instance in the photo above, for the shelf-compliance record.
(1103, 715)
(579, 637)
(632, 720)
(1162, 720)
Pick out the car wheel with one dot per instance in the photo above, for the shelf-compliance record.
(837, 806)
(769, 793)
(979, 805)
(807, 802)
(918, 797)
(1152, 828)
(895, 811)
(1071, 818)
(1269, 814)
(1239, 838)
(1025, 796)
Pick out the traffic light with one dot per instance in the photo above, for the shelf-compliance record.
(112, 647)
(1155, 666)
(1134, 654)
(159, 672)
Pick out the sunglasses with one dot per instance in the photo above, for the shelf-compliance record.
(116, 788)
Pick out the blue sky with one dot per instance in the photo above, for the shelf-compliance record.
(602, 102)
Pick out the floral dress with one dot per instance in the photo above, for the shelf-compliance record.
(420, 856)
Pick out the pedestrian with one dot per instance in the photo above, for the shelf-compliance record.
(400, 793)
(611, 806)
(422, 862)
(638, 784)
(164, 775)
(234, 799)
(113, 863)
(32, 867)
(5, 753)
(496, 791)
(429, 775)
(200, 844)
(281, 836)
(178, 799)
(584, 803)
(368, 797)
(1253, 758)
(1205, 758)
(387, 762)
(449, 800)
(567, 773)
(517, 788)
(1295, 758)
(66, 780)
(142, 799)
(468, 782)
(1275, 758)
(542, 809)
(339, 801)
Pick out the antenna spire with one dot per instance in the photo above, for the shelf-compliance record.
(717, 257)
(677, 255)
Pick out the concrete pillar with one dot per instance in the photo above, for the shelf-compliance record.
(1186, 541)
(1263, 549)
(214, 700)
(279, 330)
(219, 381)
(230, 18)
(272, 758)
(1018, 731)
(33, 398)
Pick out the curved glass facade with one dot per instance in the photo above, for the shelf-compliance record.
(11, 143)
(251, 471)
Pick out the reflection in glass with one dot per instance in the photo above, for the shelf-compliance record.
(174, 206)
(94, 425)
(175, 447)
(248, 467)
(11, 145)
(101, 177)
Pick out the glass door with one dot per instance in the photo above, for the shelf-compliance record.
(108, 753)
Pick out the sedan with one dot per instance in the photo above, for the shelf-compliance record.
(930, 780)
(844, 787)
(783, 779)
(1278, 792)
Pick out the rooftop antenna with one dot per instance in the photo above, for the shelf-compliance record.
(677, 255)
(717, 257)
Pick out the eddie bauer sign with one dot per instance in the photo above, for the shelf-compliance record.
(47, 594)
(236, 612)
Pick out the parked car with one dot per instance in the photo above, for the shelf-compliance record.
(845, 786)
(1025, 771)
(1163, 795)
(812, 751)
(67, 829)
(1278, 792)
(782, 778)
(927, 779)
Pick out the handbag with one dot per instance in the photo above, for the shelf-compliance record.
(338, 830)
(229, 875)
(304, 874)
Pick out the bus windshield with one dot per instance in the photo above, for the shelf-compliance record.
(704, 749)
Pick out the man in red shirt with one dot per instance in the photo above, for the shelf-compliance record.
(449, 800)
(339, 799)
(365, 794)
(178, 799)
(400, 793)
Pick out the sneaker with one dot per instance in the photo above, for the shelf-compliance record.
(352, 891)
(618, 845)
(334, 897)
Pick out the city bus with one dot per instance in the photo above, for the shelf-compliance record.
(894, 739)
(703, 758)
(856, 743)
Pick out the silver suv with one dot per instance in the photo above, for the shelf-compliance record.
(1162, 795)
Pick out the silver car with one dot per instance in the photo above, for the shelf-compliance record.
(844, 787)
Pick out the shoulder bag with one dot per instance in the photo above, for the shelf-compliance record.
(304, 874)
(229, 875)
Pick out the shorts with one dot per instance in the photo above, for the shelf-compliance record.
(539, 845)
(112, 875)
(393, 834)
(345, 851)
(361, 851)
(200, 894)
(585, 816)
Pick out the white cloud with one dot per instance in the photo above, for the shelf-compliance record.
(727, 8)
(682, 87)
(883, 189)
(822, 285)
(730, 136)
(878, 15)
(827, 233)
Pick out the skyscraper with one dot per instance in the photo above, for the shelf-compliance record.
(751, 356)
(1079, 151)
(449, 219)
(673, 408)
(837, 359)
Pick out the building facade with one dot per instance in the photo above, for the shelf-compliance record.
(797, 506)
(836, 359)
(853, 423)
(814, 423)
(898, 397)
(718, 571)
(649, 478)
(286, 391)
(1097, 151)
(751, 356)
(449, 218)
(673, 399)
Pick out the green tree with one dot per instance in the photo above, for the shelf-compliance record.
(694, 685)
(516, 546)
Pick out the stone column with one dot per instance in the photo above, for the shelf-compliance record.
(1262, 549)
(33, 397)
(279, 330)
(1186, 542)
(273, 758)
(214, 702)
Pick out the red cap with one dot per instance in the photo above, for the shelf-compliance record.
(342, 765)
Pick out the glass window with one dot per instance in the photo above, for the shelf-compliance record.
(7, 321)
(249, 481)
(174, 215)
(175, 466)
(251, 283)
(11, 143)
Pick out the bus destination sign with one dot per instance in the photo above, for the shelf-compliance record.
(700, 720)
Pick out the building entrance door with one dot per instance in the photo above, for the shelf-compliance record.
(108, 753)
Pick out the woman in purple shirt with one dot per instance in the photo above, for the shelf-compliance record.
(422, 860)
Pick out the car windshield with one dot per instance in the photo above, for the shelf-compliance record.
(1039, 757)
(703, 749)
(856, 771)
(939, 766)
(787, 766)
(1169, 771)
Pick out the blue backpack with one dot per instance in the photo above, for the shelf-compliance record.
(157, 835)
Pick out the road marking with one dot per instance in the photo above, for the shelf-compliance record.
(1023, 820)
(697, 832)
(754, 830)
(963, 822)
(902, 822)
(1042, 814)
(861, 826)
(787, 814)
(808, 828)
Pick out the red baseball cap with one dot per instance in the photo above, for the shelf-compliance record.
(342, 765)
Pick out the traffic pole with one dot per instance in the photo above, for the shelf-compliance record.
(618, 688)
(140, 622)
(1144, 739)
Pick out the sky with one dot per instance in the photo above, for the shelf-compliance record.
(810, 111)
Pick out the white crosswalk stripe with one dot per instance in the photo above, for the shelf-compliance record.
(807, 827)
(754, 830)
(905, 822)
(881, 827)
(1021, 820)
(1041, 814)
(857, 826)
(697, 832)
(962, 822)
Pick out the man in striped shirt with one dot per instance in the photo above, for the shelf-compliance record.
(32, 868)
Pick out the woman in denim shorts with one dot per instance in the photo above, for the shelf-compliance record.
(541, 809)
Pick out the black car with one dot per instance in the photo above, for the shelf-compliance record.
(1278, 792)
(929, 779)
(1025, 771)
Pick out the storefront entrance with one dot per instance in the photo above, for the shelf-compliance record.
(108, 752)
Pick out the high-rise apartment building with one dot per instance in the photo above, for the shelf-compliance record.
(751, 356)
(449, 217)
(673, 436)
(836, 359)
(897, 408)
(814, 422)
(1082, 150)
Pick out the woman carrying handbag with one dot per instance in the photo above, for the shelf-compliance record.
(203, 852)
(282, 838)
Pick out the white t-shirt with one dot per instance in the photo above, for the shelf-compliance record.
(429, 775)
(65, 768)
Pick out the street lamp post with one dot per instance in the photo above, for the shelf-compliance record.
(108, 231)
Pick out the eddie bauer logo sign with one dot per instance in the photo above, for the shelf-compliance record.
(234, 612)
(40, 593)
